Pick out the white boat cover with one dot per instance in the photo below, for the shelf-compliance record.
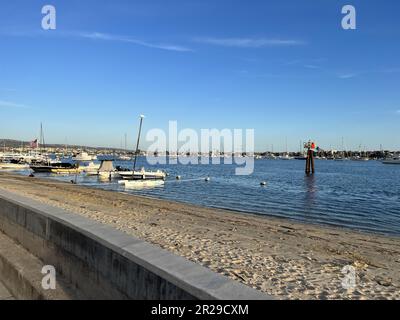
(106, 166)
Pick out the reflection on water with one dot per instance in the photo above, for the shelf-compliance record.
(310, 191)
(358, 195)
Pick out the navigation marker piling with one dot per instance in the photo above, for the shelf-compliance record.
(310, 146)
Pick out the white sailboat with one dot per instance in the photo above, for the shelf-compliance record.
(142, 178)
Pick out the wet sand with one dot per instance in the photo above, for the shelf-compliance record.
(286, 259)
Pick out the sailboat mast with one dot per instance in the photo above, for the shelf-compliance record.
(137, 143)
(42, 143)
(286, 145)
(41, 138)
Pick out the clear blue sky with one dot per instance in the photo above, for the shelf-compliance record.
(283, 67)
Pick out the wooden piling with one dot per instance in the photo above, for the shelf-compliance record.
(310, 162)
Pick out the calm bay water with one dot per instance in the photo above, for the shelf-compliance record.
(358, 195)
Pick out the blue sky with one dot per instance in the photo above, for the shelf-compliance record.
(285, 68)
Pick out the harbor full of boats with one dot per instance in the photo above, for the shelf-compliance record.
(103, 165)
(108, 168)
(82, 162)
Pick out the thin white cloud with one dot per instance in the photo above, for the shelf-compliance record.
(249, 42)
(311, 66)
(98, 36)
(347, 76)
(398, 112)
(110, 37)
(9, 104)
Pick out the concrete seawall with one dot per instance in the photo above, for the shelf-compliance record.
(100, 262)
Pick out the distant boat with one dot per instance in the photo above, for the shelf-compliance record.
(124, 158)
(360, 159)
(286, 157)
(392, 161)
(83, 156)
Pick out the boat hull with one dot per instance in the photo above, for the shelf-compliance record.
(12, 166)
(391, 162)
(149, 175)
(138, 184)
(56, 169)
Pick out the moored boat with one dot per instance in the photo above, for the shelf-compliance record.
(107, 170)
(142, 174)
(391, 161)
(57, 168)
(91, 169)
(141, 178)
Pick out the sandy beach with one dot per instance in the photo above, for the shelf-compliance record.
(286, 259)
